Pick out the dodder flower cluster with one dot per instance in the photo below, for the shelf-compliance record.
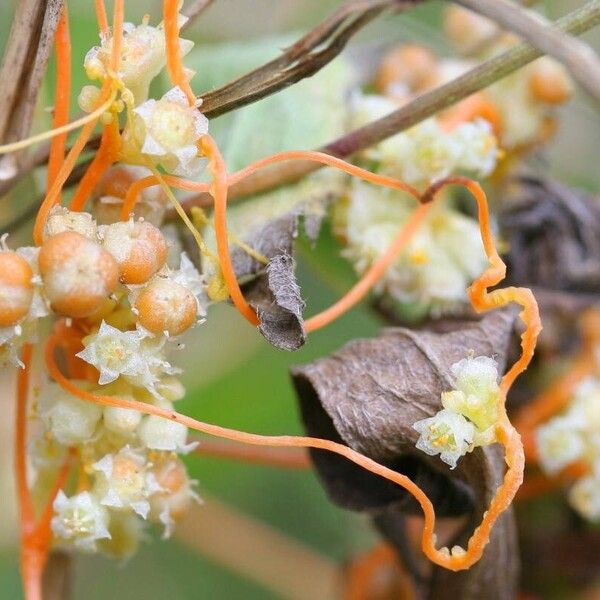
(469, 415)
(113, 283)
(574, 437)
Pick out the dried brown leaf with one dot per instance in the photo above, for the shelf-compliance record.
(368, 395)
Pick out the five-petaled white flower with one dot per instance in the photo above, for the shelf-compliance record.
(168, 130)
(79, 520)
(124, 481)
(447, 434)
(114, 353)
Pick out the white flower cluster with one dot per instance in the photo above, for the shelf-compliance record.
(574, 436)
(469, 415)
(427, 152)
(114, 283)
(143, 56)
(437, 265)
(161, 132)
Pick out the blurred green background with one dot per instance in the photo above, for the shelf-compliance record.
(234, 378)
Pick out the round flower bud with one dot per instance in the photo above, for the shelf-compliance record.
(126, 531)
(70, 421)
(77, 273)
(407, 64)
(549, 82)
(16, 287)
(156, 433)
(121, 420)
(466, 29)
(166, 306)
(139, 248)
(89, 98)
(62, 219)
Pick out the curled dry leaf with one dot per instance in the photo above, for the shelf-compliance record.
(368, 395)
(553, 239)
(553, 235)
(273, 290)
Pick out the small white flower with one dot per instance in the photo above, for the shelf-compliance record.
(559, 443)
(126, 531)
(143, 56)
(447, 434)
(114, 353)
(121, 420)
(79, 520)
(584, 497)
(156, 433)
(168, 131)
(477, 376)
(124, 481)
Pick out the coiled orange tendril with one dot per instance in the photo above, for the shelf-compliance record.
(482, 301)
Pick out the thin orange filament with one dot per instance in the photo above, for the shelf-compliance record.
(175, 66)
(62, 44)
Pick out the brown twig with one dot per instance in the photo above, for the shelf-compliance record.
(301, 60)
(581, 61)
(23, 66)
(422, 107)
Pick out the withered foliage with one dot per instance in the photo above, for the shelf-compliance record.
(368, 395)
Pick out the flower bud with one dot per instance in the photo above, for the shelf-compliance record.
(78, 274)
(16, 288)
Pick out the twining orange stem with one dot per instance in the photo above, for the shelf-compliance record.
(358, 291)
(117, 33)
(475, 106)
(25, 503)
(105, 156)
(62, 45)
(482, 300)
(51, 198)
(269, 457)
(135, 189)
(101, 17)
(219, 188)
(175, 66)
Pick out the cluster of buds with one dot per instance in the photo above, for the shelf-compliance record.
(143, 56)
(115, 289)
(469, 415)
(574, 437)
(520, 106)
(437, 265)
(427, 151)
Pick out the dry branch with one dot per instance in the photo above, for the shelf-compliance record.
(577, 56)
(23, 66)
(422, 107)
